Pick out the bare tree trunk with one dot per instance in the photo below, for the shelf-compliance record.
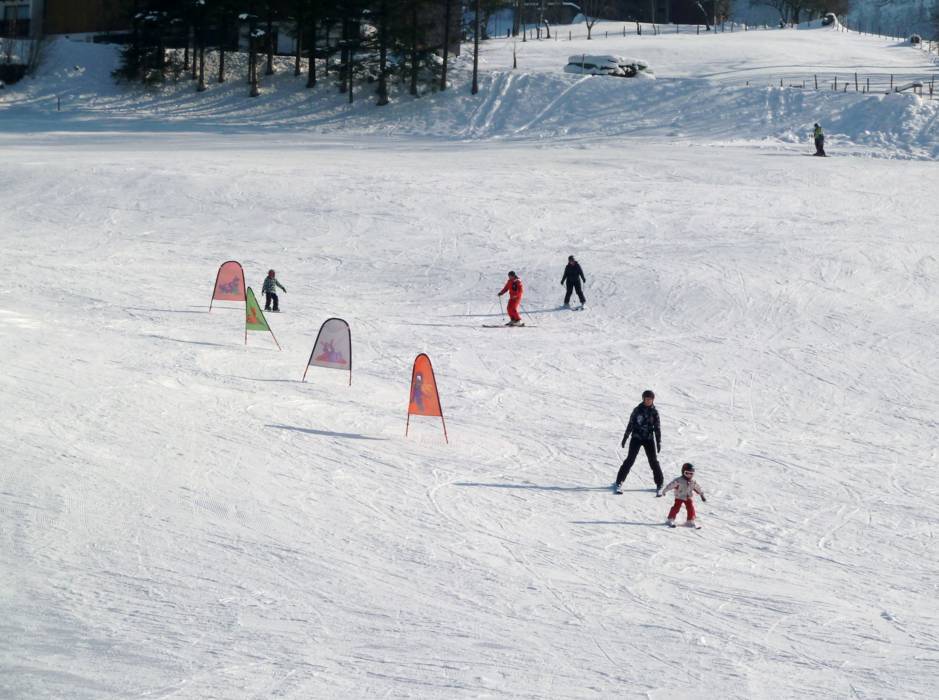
(383, 55)
(446, 45)
(253, 57)
(414, 49)
(299, 29)
(270, 40)
(475, 88)
(311, 68)
(222, 35)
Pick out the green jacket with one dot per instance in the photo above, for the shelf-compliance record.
(269, 283)
(817, 133)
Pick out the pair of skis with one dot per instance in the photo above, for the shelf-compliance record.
(618, 490)
(522, 325)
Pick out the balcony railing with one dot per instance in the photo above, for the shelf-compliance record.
(15, 28)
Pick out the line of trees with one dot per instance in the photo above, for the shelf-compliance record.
(795, 11)
(375, 41)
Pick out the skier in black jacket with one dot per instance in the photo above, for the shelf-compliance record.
(572, 277)
(644, 427)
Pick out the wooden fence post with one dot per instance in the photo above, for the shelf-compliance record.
(891, 82)
(836, 83)
(816, 81)
(855, 82)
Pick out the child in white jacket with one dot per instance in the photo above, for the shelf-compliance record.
(684, 487)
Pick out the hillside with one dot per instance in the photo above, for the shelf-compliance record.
(701, 79)
(182, 517)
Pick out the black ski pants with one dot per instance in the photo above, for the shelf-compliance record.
(820, 147)
(571, 286)
(269, 298)
(649, 447)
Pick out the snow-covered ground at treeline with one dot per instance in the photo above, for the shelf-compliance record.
(181, 517)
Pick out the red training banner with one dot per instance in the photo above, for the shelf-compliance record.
(333, 347)
(229, 283)
(424, 399)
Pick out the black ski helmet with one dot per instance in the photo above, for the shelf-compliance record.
(816, 125)
(512, 273)
(570, 258)
(687, 467)
(648, 394)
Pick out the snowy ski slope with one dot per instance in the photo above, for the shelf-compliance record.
(180, 517)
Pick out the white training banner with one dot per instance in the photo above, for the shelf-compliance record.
(333, 347)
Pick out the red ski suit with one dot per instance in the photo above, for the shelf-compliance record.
(515, 289)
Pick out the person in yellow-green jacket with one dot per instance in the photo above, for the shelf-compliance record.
(819, 136)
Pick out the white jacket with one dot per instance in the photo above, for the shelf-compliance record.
(683, 488)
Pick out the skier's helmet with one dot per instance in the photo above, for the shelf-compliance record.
(687, 468)
(270, 273)
(648, 394)
(816, 125)
(570, 258)
(512, 273)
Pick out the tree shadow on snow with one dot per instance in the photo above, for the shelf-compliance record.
(326, 433)
(613, 522)
(189, 342)
(524, 310)
(537, 487)
(166, 311)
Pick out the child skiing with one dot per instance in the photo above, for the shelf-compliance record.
(270, 296)
(819, 137)
(685, 488)
(515, 289)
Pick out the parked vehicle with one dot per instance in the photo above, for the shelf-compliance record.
(619, 66)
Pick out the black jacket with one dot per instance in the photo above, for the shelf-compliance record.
(643, 424)
(572, 272)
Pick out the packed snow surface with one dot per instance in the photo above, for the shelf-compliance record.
(181, 517)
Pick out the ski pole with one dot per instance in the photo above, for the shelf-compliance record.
(525, 311)
(501, 310)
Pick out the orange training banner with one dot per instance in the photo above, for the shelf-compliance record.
(333, 347)
(424, 399)
(229, 283)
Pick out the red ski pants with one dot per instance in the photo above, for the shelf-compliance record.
(513, 309)
(689, 506)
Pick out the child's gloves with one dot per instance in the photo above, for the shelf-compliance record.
(703, 499)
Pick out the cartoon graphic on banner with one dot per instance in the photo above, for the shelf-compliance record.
(333, 347)
(229, 283)
(424, 399)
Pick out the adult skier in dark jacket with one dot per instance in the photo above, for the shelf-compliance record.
(646, 434)
(572, 277)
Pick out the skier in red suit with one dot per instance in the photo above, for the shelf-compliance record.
(515, 289)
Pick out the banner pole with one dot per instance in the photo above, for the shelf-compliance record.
(215, 286)
(408, 424)
(274, 337)
(445, 438)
